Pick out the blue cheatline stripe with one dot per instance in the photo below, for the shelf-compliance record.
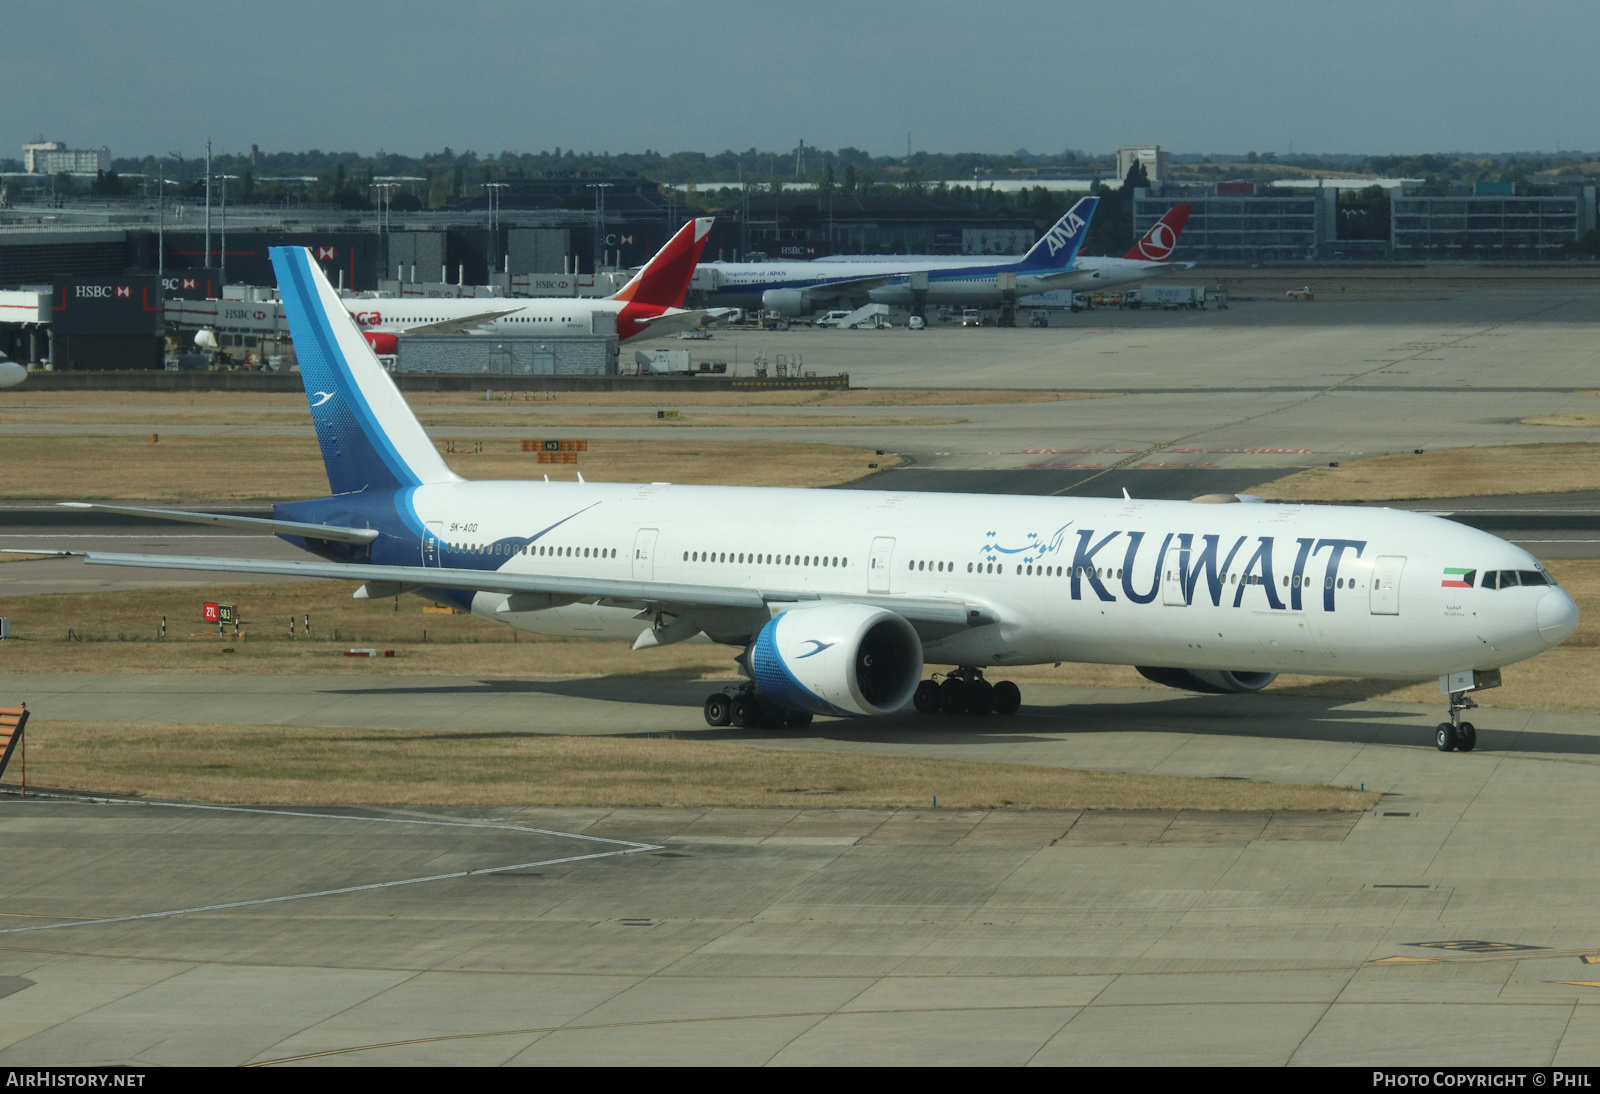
(303, 308)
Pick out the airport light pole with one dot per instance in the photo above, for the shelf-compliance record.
(161, 215)
(208, 204)
(385, 199)
(494, 189)
(599, 189)
(222, 275)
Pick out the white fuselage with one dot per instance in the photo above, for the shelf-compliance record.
(970, 281)
(554, 317)
(1240, 587)
(11, 373)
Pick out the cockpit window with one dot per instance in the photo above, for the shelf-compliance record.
(1508, 579)
(1533, 577)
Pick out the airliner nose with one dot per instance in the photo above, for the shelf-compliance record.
(1557, 616)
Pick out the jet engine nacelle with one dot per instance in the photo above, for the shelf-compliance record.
(11, 373)
(383, 343)
(837, 659)
(1212, 681)
(205, 339)
(791, 302)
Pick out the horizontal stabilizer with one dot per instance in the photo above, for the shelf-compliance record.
(223, 520)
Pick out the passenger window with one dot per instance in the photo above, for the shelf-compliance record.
(969, 567)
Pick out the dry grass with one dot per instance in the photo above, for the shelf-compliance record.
(1446, 473)
(516, 417)
(1570, 421)
(23, 400)
(313, 765)
(119, 631)
(185, 468)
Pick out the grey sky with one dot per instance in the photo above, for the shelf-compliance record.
(413, 76)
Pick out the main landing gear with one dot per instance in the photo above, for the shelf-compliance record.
(743, 708)
(965, 691)
(1456, 735)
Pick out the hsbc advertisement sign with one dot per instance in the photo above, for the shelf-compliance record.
(191, 285)
(119, 305)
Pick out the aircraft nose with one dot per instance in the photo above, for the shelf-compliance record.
(1557, 616)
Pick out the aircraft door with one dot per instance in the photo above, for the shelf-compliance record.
(880, 564)
(1172, 580)
(644, 555)
(434, 529)
(1386, 584)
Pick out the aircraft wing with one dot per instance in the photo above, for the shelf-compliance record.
(933, 614)
(673, 321)
(463, 325)
(854, 285)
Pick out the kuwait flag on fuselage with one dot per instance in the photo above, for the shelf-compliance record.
(1455, 578)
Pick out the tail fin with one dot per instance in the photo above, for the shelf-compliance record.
(1058, 247)
(664, 280)
(370, 439)
(1156, 245)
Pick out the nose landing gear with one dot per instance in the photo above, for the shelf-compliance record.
(1456, 735)
(965, 691)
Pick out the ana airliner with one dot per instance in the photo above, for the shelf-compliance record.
(1053, 264)
(650, 305)
(834, 602)
(800, 288)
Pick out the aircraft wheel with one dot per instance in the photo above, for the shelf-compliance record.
(718, 709)
(980, 697)
(1466, 737)
(797, 719)
(952, 695)
(1444, 737)
(926, 698)
(744, 713)
(1007, 697)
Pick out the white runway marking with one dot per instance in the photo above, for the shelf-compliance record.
(626, 847)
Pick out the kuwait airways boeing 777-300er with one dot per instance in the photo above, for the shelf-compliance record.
(650, 305)
(836, 601)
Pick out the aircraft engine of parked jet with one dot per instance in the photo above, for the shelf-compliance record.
(791, 302)
(837, 659)
(383, 343)
(1211, 681)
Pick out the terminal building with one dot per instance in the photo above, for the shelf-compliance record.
(1251, 222)
(1500, 218)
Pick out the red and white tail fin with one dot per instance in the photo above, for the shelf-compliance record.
(1158, 242)
(664, 280)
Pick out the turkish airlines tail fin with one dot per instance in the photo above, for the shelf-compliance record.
(369, 437)
(1058, 247)
(1156, 245)
(664, 280)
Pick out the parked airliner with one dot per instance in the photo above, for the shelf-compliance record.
(835, 601)
(800, 288)
(650, 305)
(1148, 258)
